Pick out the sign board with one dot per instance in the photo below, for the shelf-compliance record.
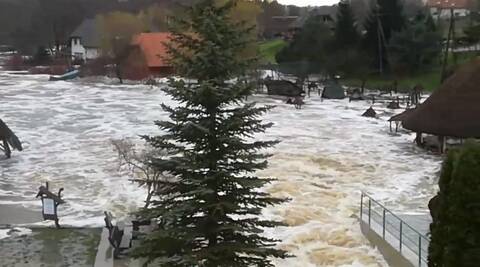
(50, 202)
(48, 206)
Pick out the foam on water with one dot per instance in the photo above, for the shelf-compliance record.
(328, 154)
(17, 231)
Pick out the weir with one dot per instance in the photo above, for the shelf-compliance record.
(399, 242)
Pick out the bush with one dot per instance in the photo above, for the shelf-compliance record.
(96, 67)
(455, 230)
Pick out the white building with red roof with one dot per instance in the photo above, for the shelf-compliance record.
(443, 8)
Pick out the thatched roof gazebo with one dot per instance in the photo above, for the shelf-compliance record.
(454, 109)
(400, 118)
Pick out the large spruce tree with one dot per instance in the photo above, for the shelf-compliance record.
(455, 230)
(309, 49)
(209, 214)
(346, 32)
(385, 18)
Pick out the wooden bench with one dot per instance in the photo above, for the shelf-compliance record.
(119, 236)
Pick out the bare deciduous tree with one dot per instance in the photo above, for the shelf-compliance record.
(137, 164)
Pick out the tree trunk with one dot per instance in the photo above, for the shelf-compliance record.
(418, 139)
(149, 196)
(118, 72)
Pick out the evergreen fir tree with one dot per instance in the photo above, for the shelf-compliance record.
(455, 210)
(209, 215)
(346, 32)
(430, 23)
(415, 47)
(390, 15)
(309, 50)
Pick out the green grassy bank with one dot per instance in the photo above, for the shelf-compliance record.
(269, 49)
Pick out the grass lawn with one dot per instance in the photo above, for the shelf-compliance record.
(430, 80)
(269, 49)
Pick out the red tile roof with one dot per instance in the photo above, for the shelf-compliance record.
(152, 46)
(463, 4)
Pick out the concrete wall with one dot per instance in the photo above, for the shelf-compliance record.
(393, 257)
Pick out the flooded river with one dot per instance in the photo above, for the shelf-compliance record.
(328, 154)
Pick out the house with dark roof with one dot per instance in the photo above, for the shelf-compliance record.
(281, 26)
(85, 41)
(286, 26)
(443, 8)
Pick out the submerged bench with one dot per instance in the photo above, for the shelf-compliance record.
(119, 236)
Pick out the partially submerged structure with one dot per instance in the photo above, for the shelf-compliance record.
(452, 110)
(356, 95)
(394, 104)
(370, 113)
(8, 139)
(283, 88)
(333, 90)
(399, 118)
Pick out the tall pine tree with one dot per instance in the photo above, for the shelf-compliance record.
(385, 18)
(209, 215)
(346, 32)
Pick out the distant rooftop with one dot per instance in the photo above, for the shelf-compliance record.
(446, 4)
(153, 47)
(88, 32)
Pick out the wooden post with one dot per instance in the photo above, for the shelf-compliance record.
(445, 57)
(443, 145)
(418, 139)
(380, 48)
(8, 152)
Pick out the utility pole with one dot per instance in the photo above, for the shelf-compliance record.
(380, 47)
(382, 42)
(449, 37)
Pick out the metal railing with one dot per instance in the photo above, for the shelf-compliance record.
(400, 235)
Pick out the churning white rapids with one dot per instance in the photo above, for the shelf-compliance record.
(328, 154)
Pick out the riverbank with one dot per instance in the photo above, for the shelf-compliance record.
(48, 247)
(430, 79)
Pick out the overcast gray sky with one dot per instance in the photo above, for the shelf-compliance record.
(308, 2)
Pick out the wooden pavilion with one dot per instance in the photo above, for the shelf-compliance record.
(451, 111)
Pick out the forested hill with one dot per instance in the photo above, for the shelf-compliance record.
(29, 23)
